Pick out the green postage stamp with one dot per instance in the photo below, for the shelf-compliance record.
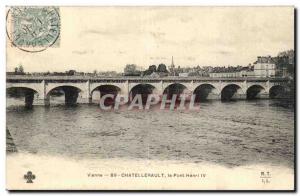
(33, 29)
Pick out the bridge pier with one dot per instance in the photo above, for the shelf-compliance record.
(29, 96)
(83, 98)
(263, 96)
(212, 96)
(71, 96)
(88, 93)
(47, 101)
(239, 96)
(89, 100)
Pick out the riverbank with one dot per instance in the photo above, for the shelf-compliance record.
(10, 145)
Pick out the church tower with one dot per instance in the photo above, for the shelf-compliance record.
(172, 64)
(172, 67)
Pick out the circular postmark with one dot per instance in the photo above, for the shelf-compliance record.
(33, 29)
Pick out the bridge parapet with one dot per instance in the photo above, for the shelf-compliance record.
(135, 79)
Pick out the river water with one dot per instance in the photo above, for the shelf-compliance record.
(226, 133)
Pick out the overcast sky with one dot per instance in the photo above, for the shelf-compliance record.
(108, 38)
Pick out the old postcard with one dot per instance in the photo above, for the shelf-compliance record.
(150, 98)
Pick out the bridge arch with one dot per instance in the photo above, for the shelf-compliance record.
(256, 91)
(206, 91)
(232, 92)
(144, 89)
(23, 92)
(175, 88)
(34, 87)
(21, 88)
(277, 92)
(104, 89)
(54, 86)
(70, 92)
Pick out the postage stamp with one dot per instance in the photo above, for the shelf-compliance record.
(33, 29)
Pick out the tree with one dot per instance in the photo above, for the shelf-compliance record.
(21, 69)
(71, 72)
(162, 68)
(95, 72)
(130, 68)
(286, 59)
(152, 68)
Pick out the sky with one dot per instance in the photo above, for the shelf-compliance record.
(108, 38)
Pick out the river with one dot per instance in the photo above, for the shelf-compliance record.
(225, 133)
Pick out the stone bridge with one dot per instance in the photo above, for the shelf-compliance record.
(83, 89)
